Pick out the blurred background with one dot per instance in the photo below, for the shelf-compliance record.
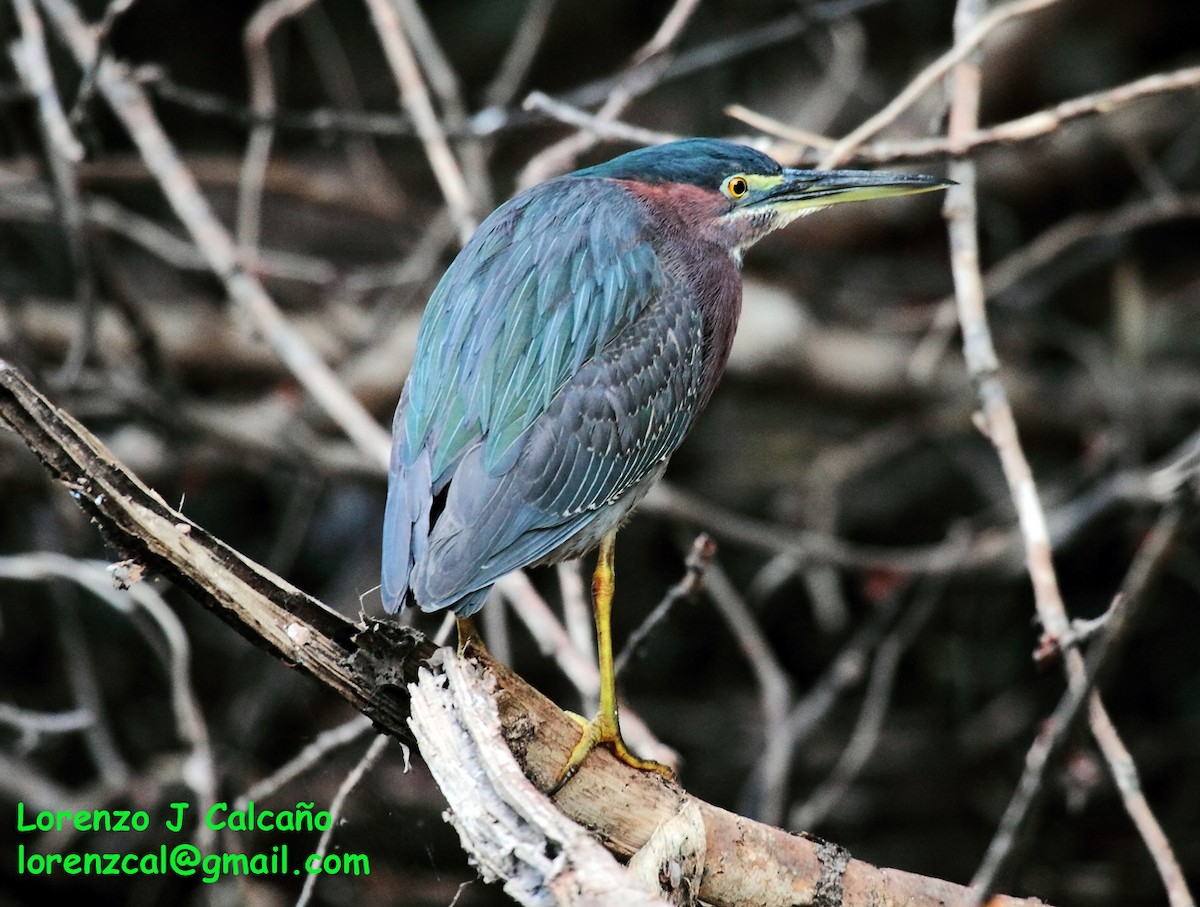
(860, 662)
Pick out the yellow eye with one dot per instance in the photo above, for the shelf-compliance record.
(736, 186)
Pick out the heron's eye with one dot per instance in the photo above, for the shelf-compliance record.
(736, 186)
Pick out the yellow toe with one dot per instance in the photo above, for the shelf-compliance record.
(603, 730)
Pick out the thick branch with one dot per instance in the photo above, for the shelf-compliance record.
(371, 666)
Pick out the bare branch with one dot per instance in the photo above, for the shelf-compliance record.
(30, 725)
(1041, 123)
(965, 44)
(701, 553)
(454, 119)
(597, 125)
(1022, 129)
(521, 52)
(64, 152)
(98, 579)
(338, 804)
(415, 97)
(1054, 733)
(577, 614)
(266, 19)
(130, 104)
(1048, 247)
(29, 56)
(648, 63)
(87, 85)
(876, 701)
(998, 423)
(306, 759)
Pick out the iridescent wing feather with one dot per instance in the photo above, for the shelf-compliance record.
(552, 374)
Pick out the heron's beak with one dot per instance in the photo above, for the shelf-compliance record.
(798, 190)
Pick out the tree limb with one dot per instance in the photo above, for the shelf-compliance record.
(372, 665)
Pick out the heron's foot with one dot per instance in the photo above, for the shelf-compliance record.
(603, 730)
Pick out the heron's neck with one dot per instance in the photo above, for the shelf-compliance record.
(698, 265)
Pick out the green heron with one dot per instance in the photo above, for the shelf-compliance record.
(561, 360)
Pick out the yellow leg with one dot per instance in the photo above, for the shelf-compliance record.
(605, 728)
(468, 633)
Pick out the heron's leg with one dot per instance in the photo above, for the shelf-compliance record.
(605, 728)
(468, 633)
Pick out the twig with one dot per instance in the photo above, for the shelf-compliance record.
(97, 578)
(320, 119)
(1041, 123)
(494, 621)
(765, 793)
(140, 525)
(336, 72)
(198, 770)
(648, 64)
(1177, 468)
(103, 35)
(701, 553)
(876, 700)
(553, 641)
(1022, 129)
(31, 725)
(494, 118)
(965, 44)
(953, 556)
(577, 612)
(19, 780)
(445, 84)
(33, 66)
(1124, 770)
(686, 62)
(1054, 733)
(351, 781)
(131, 106)
(266, 19)
(415, 97)
(772, 126)
(774, 685)
(1051, 244)
(63, 152)
(325, 743)
(841, 74)
(70, 208)
(416, 267)
(982, 363)
(668, 31)
(597, 125)
(1048, 247)
(551, 637)
(1083, 629)
(518, 59)
(32, 203)
(114, 771)
(996, 418)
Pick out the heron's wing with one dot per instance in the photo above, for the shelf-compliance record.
(584, 462)
(541, 288)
